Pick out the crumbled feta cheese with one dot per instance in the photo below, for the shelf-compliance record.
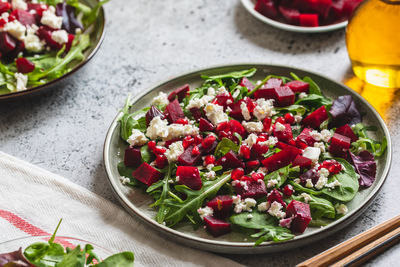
(222, 91)
(302, 95)
(250, 140)
(236, 199)
(236, 93)
(177, 178)
(174, 151)
(204, 212)
(60, 36)
(211, 91)
(323, 172)
(210, 175)
(50, 19)
(22, 81)
(263, 206)
(298, 118)
(160, 128)
(320, 145)
(253, 127)
(125, 180)
(19, 4)
(272, 182)
(316, 135)
(342, 209)
(264, 109)
(306, 197)
(199, 102)
(32, 41)
(312, 153)
(323, 178)
(250, 202)
(262, 170)
(215, 113)
(333, 184)
(272, 141)
(309, 183)
(245, 111)
(297, 180)
(275, 210)
(16, 29)
(279, 127)
(137, 138)
(160, 100)
(228, 102)
(5, 16)
(243, 205)
(209, 167)
(244, 185)
(326, 135)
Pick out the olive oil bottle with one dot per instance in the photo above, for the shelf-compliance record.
(373, 42)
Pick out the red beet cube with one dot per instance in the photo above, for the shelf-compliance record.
(275, 195)
(305, 137)
(196, 113)
(152, 113)
(223, 100)
(236, 112)
(284, 96)
(258, 150)
(68, 46)
(309, 20)
(44, 33)
(231, 161)
(283, 146)
(222, 205)
(7, 42)
(285, 135)
(339, 145)
(246, 83)
(180, 92)
(267, 93)
(205, 125)
(291, 15)
(187, 158)
(315, 119)
(253, 189)
(298, 86)
(189, 176)
(147, 174)
(216, 226)
(303, 162)
(24, 17)
(267, 8)
(174, 111)
(132, 157)
(301, 215)
(280, 159)
(347, 131)
(4, 7)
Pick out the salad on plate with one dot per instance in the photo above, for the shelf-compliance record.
(42, 40)
(264, 158)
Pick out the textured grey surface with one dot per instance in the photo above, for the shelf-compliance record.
(63, 130)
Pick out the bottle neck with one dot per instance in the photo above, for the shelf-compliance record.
(391, 2)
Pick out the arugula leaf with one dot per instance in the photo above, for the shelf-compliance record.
(194, 200)
(123, 259)
(234, 75)
(320, 207)
(127, 172)
(163, 209)
(90, 18)
(314, 101)
(224, 146)
(296, 109)
(146, 154)
(74, 258)
(314, 88)
(129, 121)
(364, 142)
(280, 175)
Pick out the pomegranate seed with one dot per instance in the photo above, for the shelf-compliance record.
(252, 164)
(289, 118)
(261, 139)
(280, 120)
(251, 105)
(222, 126)
(2, 23)
(182, 121)
(208, 141)
(161, 161)
(158, 150)
(151, 145)
(332, 166)
(4, 7)
(288, 190)
(187, 141)
(209, 159)
(237, 174)
(11, 17)
(267, 124)
(246, 178)
(244, 151)
(24, 65)
(195, 151)
(257, 176)
(198, 139)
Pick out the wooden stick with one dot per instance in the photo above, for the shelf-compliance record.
(348, 247)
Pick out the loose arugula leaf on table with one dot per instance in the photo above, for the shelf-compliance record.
(224, 146)
(177, 210)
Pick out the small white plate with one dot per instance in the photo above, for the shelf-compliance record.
(249, 5)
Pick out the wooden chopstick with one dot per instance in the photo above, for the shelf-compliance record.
(352, 245)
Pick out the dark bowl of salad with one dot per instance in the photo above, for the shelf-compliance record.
(247, 158)
(43, 42)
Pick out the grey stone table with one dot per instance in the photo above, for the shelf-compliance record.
(63, 130)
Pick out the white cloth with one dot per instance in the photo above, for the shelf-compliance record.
(41, 198)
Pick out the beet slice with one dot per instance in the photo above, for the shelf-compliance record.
(147, 174)
(196, 113)
(285, 135)
(24, 17)
(284, 96)
(24, 65)
(44, 33)
(301, 215)
(216, 226)
(303, 162)
(174, 111)
(280, 159)
(253, 189)
(267, 8)
(340, 144)
(222, 205)
(315, 119)
(347, 131)
(283, 146)
(7, 42)
(132, 157)
(187, 158)
(258, 150)
(152, 113)
(205, 125)
(267, 93)
(275, 196)
(309, 20)
(231, 161)
(305, 137)
(189, 176)
(208, 149)
(180, 92)
(298, 86)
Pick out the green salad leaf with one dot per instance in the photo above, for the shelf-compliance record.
(364, 142)
(320, 207)
(122, 259)
(314, 101)
(224, 146)
(129, 121)
(233, 75)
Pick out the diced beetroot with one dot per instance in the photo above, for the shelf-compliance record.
(267, 93)
(309, 20)
(174, 111)
(180, 92)
(273, 83)
(237, 174)
(209, 159)
(303, 162)
(246, 83)
(132, 157)
(216, 226)
(339, 145)
(161, 161)
(24, 17)
(236, 111)
(147, 174)
(68, 46)
(196, 113)
(285, 135)
(208, 141)
(267, 8)
(7, 42)
(253, 189)
(289, 118)
(315, 119)
(205, 125)
(284, 96)
(20, 46)
(24, 65)
(2, 22)
(152, 113)
(44, 33)
(347, 131)
(228, 129)
(209, 149)
(336, 10)
(283, 146)
(291, 15)
(301, 215)
(258, 150)
(280, 159)
(312, 175)
(222, 205)
(231, 161)
(189, 176)
(305, 137)
(288, 190)
(298, 86)
(267, 124)
(187, 158)
(275, 195)
(4, 7)
(223, 100)
(39, 8)
(322, 7)
(251, 165)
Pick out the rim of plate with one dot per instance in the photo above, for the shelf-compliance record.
(249, 5)
(308, 237)
(66, 75)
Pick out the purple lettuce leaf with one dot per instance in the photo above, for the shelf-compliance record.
(365, 166)
(344, 111)
(69, 22)
(15, 258)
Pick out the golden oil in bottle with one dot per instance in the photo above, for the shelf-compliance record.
(373, 42)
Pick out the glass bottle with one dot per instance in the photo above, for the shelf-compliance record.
(373, 42)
